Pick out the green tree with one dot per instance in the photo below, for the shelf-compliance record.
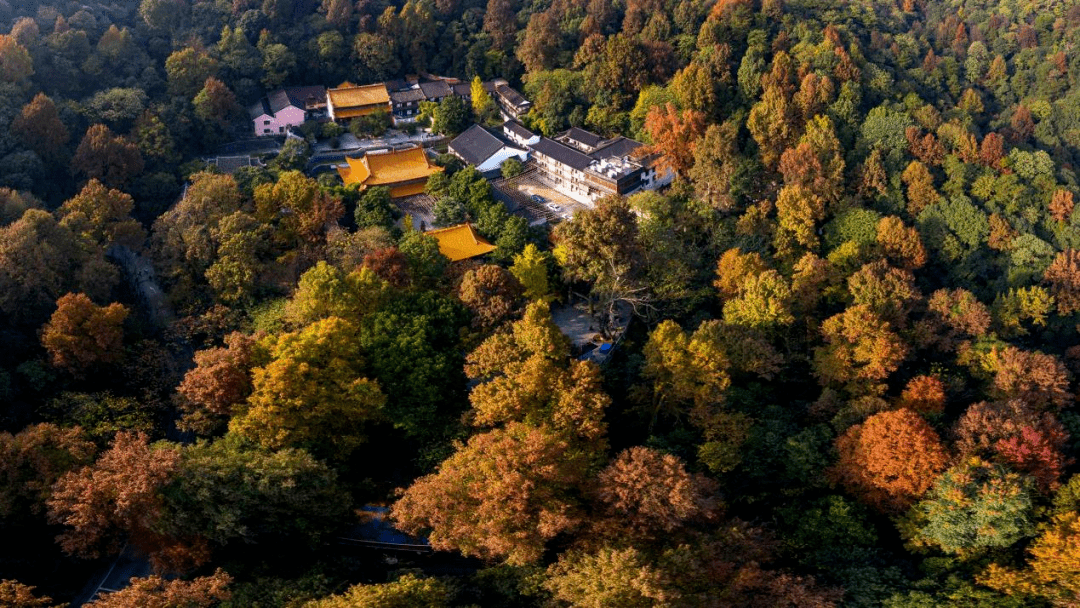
(227, 492)
(451, 117)
(426, 262)
(374, 208)
(975, 506)
(325, 291)
(419, 363)
(449, 212)
(601, 246)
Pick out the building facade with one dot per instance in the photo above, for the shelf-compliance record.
(285, 108)
(587, 167)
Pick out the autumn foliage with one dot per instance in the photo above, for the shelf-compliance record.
(647, 493)
(1015, 434)
(156, 592)
(674, 136)
(1053, 569)
(220, 381)
(860, 348)
(890, 460)
(1040, 380)
(116, 500)
(1063, 276)
(81, 335)
(503, 495)
(924, 395)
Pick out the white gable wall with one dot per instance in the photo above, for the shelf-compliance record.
(496, 160)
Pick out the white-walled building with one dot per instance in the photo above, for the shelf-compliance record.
(587, 167)
(478, 147)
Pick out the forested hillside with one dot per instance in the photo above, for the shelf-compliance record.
(850, 380)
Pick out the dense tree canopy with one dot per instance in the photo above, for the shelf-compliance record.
(833, 363)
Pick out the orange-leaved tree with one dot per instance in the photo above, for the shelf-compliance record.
(674, 136)
(156, 592)
(81, 335)
(645, 494)
(220, 381)
(117, 500)
(1063, 276)
(890, 460)
(502, 495)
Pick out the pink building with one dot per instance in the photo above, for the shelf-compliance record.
(286, 108)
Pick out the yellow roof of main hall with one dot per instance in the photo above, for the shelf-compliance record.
(349, 95)
(387, 168)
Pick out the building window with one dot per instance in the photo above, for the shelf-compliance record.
(281, 129)
(266, 122)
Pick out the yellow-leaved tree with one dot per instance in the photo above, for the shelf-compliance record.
(312, 393)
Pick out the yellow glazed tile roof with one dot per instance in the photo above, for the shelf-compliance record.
(461, 242)
(398, 166)
(397, 169)
(407, 189)
(354, 112)
(349, 96)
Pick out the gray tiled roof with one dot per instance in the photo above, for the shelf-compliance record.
(295, 96)
(260, 108)
(620, 146)
(511, 96)
(407, 96)
(476, 145)
(518, 129)
(436, 89)
(562, 153)
(584, 137)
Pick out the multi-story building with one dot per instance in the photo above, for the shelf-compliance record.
(587, 167)
(517, 133)
(512, 104)
(405, 103)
